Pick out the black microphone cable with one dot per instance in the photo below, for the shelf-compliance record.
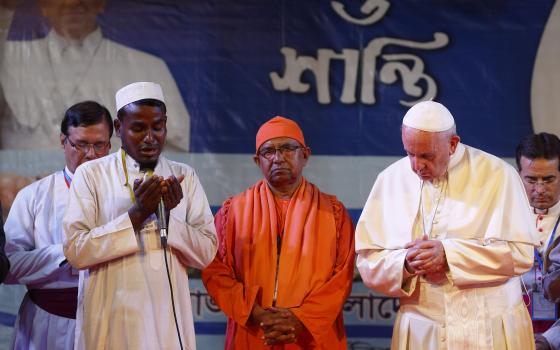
(162, 222)
(164, 245)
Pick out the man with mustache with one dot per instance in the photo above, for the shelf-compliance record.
(286, 257)
(46, 318)
(126, 298)
(4, 262)
(447, 229)
(538, 161)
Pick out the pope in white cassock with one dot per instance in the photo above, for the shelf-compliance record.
(125, 300)
(448, 230)
(46, 318)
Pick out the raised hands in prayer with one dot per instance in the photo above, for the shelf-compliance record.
(149, 191)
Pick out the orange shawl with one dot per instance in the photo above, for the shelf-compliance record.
(315, 268)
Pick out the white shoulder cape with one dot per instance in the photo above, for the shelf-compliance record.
(485, 194)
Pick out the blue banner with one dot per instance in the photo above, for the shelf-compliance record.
(345, 70)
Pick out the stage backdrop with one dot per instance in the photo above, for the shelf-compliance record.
(346, 71)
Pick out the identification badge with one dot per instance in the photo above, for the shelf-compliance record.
(541, 308)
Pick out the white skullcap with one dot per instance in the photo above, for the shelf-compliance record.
(429, 116)
(138, 91)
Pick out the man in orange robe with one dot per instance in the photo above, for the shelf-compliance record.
(286, 255)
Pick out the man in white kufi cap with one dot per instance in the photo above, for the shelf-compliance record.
(113, 235)
(448, 230)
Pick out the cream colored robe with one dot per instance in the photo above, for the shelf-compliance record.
(124, 301)
(487, 231)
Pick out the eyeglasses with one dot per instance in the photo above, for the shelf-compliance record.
(83, 147)
(286, 151)
(546, 182)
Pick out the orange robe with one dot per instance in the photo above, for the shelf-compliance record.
(315, 268)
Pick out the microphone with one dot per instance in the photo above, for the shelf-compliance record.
(160, 211)
(162, 222)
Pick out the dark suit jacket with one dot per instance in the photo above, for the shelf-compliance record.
(551, 278)
(4, 262)
(551, 283)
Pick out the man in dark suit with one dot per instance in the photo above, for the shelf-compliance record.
(4, 262)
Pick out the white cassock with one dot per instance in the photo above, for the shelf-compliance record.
(34, 239)
(551, 262)
(42, 78)
(544, 224)
(481, 214)
(125, 301)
